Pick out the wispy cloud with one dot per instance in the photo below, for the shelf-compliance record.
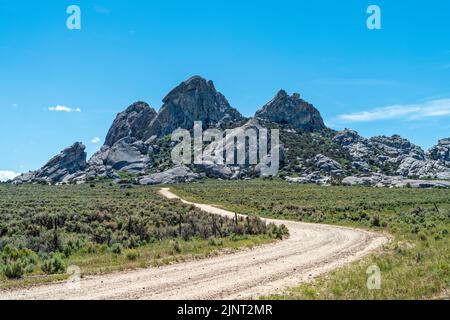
(95, 140)
(7, 175)
(427, 109)
(59, 108)
(14, 105)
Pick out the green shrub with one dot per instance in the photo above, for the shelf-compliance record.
(53, 265)
(277, 232)
(14, 270)
(17, 262)
(132, 254)
(213, 242)
(176, 246)
(375, 221)
(116, 248)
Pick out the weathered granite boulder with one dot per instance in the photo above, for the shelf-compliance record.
(64, 167)
(214, 170)
(328, 165)
(195, 99)
(175, 175)
(292, 110)
(441, 151)
(127, 154)
(314, 177)
(133, 122)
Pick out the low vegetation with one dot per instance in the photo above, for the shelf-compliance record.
(414, 265)
(100, 227)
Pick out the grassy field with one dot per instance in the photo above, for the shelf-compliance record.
(102, 228)
(415, 265)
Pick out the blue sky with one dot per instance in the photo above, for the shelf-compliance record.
(394, 80)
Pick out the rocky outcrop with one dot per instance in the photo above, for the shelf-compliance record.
(359, 148)
(124, 148)
(127, 154)
(313, 177)
(251, 130)
(403, 157)
(137, 143)
(327, 165)
(195, 99)
(441, 152)
(133, 122)
(378, 180)
(65, 167)
(214, 170)
(175, 175)
(292, 110)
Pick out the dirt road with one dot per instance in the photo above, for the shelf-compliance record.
(311, 250)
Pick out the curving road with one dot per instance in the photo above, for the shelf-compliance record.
(311, 250)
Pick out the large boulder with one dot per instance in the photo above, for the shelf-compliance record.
(175, 175)
(127, 154)
(214, 170)
(195, 99)
(328, 165)
(133, 122)
(292, 110)
(64, 167)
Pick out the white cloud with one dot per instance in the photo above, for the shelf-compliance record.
(427, 109)
(14, 105)
(95, 140)
(59, 108)
(7, 175)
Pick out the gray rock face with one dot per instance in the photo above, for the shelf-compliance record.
(216, 170)
(64, 167)
(292, 110)
(441, 151)
(407, 159)
(328, 165)
(174, 175)
(195, 99)
(133, 122)
(359, 148)
(313, 177)
(124, 149)
(398, 147)
(127, 154)
(251, 128)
